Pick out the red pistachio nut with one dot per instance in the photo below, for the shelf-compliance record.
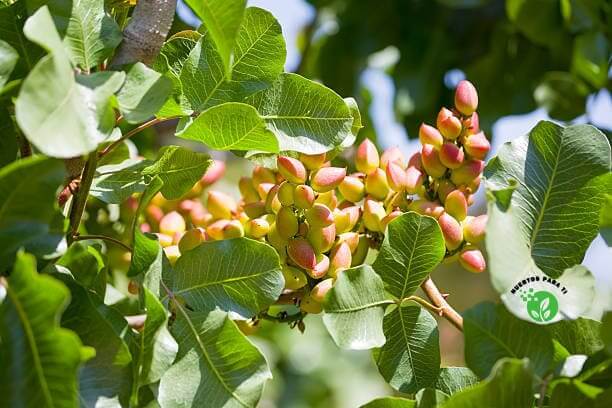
(214, 172)
(366, 157)
(466, 98)
(467, 172)
(477, 146)
(448, 124)
(191, 239)
(424, 207)
(451, 230)
(392, 155)
(354, 212)
(431, 161)
(321, 268)
(451, 155)
(342, 221)
(291, 169)
(321, 289)
(352, 189)
(339, 259)
(327, 178)
(301, 252)
(312, 161)
(373, 214)
(456, 204)
(473, 260)
(220, 205)
(414, 180)
(321, 239)
(376, 184)
(390, 217)
(415, 161)
(430, 135)
(263, 175)
(303, 196)
(351, 238)
(319, 216)
(172, 223)
(396, 177)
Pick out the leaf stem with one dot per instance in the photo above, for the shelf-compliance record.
(25, 148)
(439, 301)
(132, 132)
(104, 238)
(80, 199)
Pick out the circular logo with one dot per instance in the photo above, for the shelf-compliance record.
(542, 306)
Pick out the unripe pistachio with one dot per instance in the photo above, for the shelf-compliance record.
(430, 135)
(431, 161)
(273, 204)
(473, 187)
(291, 169)
(466, 98)
(164, 239)
(341, 220)
(263, 175)
(373, 214)
(416, 161)
(285, 193)
(263, 189)
(451, 230)
(303, 196)
(414, 180)
(318, 292)
(392, 155)
(477, 146)
(444, 187)
(225, 229)
(220, 205)
(320, 268)
(354, 212)
(191, 239)
(396, 177)
(339, 259)
(424, 207)
(247, 190)
(352, 189)
(351, 238)
(312, 161)
(278, 242)
(366, 157)
(456, 205)
(321, 239)
(172, 223)
(472, 260)
(327, 178)
(301, 252)
(390, 217)
(448, 124)
(319, 216)
(185, 206)
(255, 209)
(145, 227)
(172, 253)
(328, 199)
(257, 227)
(294, 278)
(451, 155)
(309, 305)
(474, 228)
(467, 173)
(361, 252)
(286, 222)
(214, 172)
(200, 217)
(474, 123)
(376, 184)
(248, 327)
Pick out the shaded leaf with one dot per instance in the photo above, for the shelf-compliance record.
(12, 20)
(410, 359)
(412, 248)
(39, 359)
(8, 138)
(390, 402)
(581, 336)
(143, 93)
(114, 183)
(567, 393)
(430, 398)
(8, 60)
(86, 265)
(354, 309)
(454, 379)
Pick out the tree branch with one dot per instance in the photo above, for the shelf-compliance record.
(104, 238)
(446, 310)
(80, 199)
(132, 132)
(145, 34)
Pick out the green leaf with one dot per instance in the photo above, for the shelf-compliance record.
(568, 393)
(108, 376)
(216, 365)
(491, 333)
(562, 94)
(8, 137)
(305, 116)
(390, 402)
(40, 29)
(354, 309)
(231, 126)
(562, 174)
(12, 20)
(149, 263)
(29, 217)
(258, 60)
(8, 60)
(508, 386)
(179, 169)
(86, 266)
(114, 183)
(410, 359)
(430, 398)
(412, 248)
(143, 93)
(156, 348)
(605, 220)
(590, 58)
(39, 359)
(606, 331)
(581, 336)
(222, 19)
(174, 53)
(91, 34)
(237, 275)
(454, 379)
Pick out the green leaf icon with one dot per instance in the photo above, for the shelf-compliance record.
(543, 307)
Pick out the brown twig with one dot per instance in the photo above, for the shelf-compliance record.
(439, 300)
(104, 238)
(132, 132)
(80, 199)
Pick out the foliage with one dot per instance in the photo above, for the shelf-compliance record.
(120, 286)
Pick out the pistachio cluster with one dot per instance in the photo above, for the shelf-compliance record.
(322, 220)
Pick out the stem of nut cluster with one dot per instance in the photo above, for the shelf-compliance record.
(283, 319)
(104, 238)
(438, 299)
(80, 199)
(132, 132)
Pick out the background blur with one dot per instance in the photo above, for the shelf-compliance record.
(529, 59)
